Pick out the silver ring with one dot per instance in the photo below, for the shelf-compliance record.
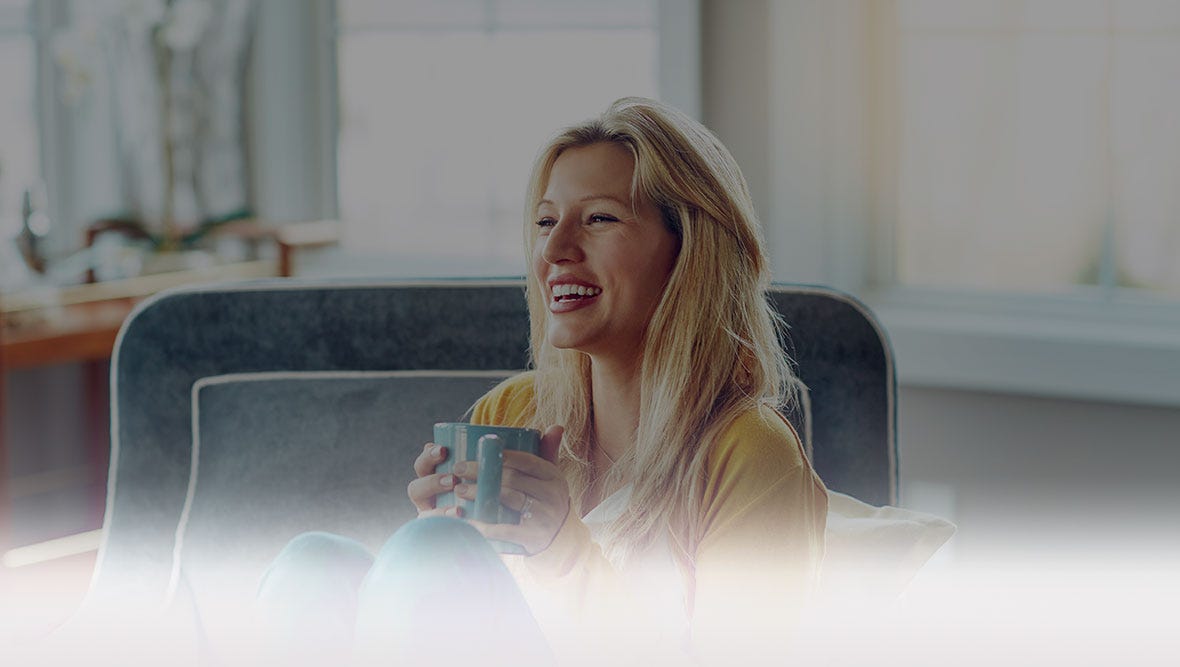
(524, 509)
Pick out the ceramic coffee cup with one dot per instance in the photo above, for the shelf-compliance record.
(485, 445)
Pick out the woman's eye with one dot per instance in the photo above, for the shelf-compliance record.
(546, 222)
(600, 217)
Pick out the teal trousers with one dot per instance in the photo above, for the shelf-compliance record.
(436, 591)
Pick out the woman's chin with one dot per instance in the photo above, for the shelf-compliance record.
(563, 342)
(564, 338)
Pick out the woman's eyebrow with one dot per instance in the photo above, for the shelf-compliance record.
(587, 198)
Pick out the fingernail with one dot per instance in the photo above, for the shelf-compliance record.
(447, 480)
(455, 511)
(437, 451)
(460, 468)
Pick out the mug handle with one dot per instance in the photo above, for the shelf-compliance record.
(490, 452)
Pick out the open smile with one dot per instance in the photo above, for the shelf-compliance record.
(572, 292)
(571, 296)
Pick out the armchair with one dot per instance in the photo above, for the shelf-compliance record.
(244, 414)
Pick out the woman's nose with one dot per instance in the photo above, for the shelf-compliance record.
(562, 243)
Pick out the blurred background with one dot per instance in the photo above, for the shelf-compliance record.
(998, 179)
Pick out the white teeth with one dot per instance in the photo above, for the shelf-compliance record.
(567, 289)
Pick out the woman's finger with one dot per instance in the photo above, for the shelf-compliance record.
(452, 511)
(550, 491)
(550, 443)
(429, 458)
(513, 499)
(423, 490)
(510, 498)
(468, 470)
(531, 465)
(514, 487)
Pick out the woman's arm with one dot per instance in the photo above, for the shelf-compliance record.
(757, 563)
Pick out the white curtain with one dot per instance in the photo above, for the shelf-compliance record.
(1039, 144)
(177, 83)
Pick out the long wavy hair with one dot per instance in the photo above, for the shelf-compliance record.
(711, 350)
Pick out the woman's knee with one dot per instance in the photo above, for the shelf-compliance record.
(318, 545)
(425, 569)
(433, 535)
(316, 555)
(426, 553)
(306, 602)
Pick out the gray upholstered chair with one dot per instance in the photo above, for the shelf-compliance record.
(245, 414)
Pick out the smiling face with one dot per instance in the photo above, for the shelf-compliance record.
(601, 259)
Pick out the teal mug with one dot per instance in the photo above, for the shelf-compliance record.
(485, 445)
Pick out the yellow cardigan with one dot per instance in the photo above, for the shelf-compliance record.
(753, 571)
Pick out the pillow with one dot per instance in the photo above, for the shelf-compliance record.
(278, 454)
(874, 552)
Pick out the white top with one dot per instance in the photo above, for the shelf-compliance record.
(655, 587)
(653, 575)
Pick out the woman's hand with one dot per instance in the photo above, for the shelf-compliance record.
(424, 490)
(531, 485)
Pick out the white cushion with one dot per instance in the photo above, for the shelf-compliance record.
(874, 552)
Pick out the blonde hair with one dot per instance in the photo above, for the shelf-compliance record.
(711, 350)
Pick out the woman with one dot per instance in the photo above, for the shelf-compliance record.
(671, 511)
(678, 499)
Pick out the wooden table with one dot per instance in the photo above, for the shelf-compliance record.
(79, 323)
(78, 332)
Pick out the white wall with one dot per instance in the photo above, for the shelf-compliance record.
(1042, 475)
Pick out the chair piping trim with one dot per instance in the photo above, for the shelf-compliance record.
(805, 401)
(314, 284)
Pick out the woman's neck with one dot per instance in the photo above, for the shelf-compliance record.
(615, 392)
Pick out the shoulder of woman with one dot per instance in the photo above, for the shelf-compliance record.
(758, 438)
(757, 466)
(510, 403)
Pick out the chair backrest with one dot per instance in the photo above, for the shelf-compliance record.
(845, 363)
(243, 414)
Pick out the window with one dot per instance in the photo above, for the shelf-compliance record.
(442, 107)
(1024, 215)
(1038, 145)
(996, 178)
